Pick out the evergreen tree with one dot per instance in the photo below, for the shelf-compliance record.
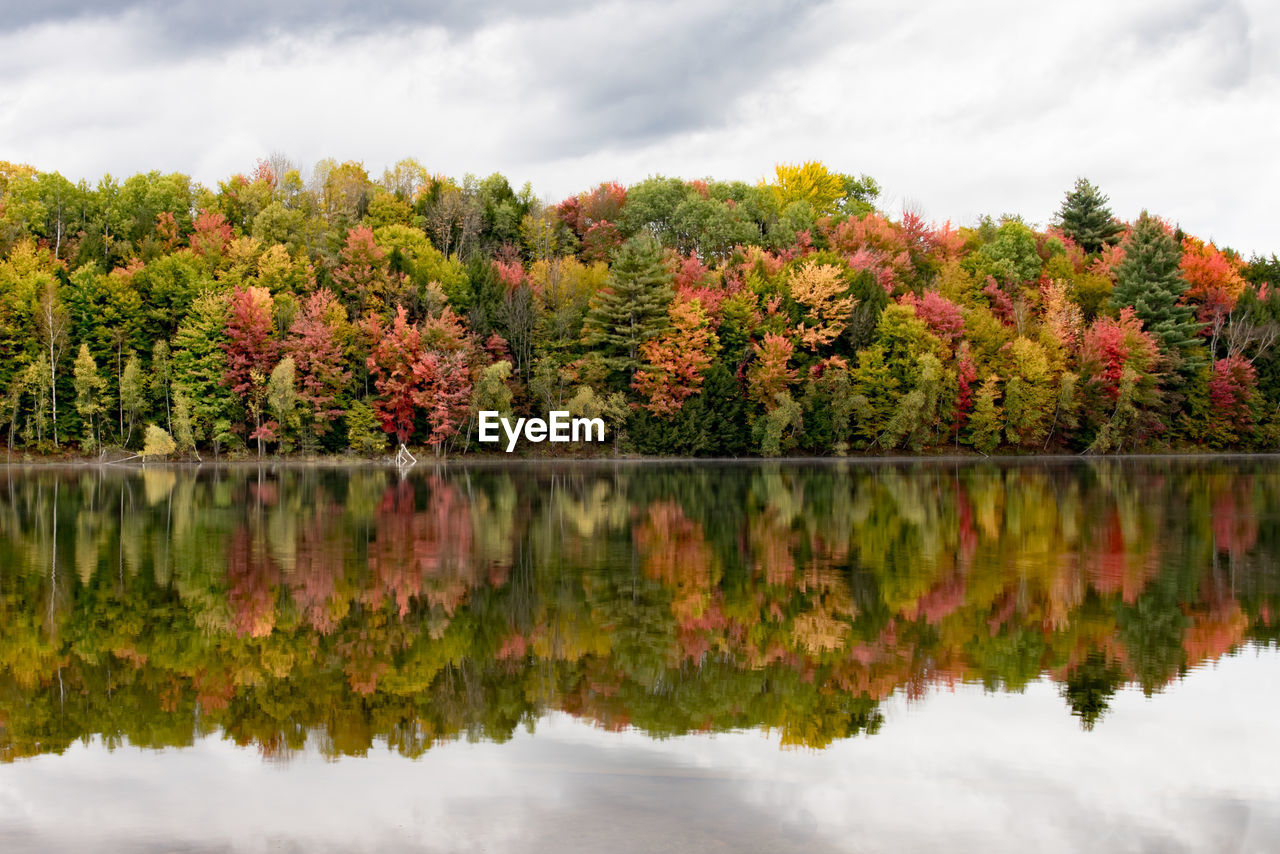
(1149, 280)
(632, 308)
(1086, 219)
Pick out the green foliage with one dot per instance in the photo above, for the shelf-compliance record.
(91, 399)
(780, 425)
(986, 422)
(632, 308)
(200, 363)
(1086, 218)
(1149, 280)
(364, 433)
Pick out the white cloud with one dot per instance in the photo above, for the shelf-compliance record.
(961, 109)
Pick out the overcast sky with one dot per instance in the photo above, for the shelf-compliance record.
(957, 109)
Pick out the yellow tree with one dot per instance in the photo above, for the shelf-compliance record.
(822, 290)
(808, 182)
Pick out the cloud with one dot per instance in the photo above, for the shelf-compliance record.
(958, 109)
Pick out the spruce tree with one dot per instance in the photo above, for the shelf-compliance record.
(1086, 219)
(1149, 280)
(632, 308)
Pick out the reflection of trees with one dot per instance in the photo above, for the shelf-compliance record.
(283, 606)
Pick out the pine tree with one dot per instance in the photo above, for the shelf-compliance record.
(1086, 219)
(632, 308)
(1149, 279)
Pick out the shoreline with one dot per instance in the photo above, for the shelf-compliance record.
(505, 461)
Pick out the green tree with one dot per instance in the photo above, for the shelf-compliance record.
(90, 390)
(133, 396)
(162, 378)
(985, 424)
(183, 430)
(282, 400)
(632, 308)
(1086, 219)
(364, 433)
(1149, 279)
(200, 363)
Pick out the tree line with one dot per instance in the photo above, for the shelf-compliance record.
(339, 313)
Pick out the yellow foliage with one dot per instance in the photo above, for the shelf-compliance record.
(807, 182)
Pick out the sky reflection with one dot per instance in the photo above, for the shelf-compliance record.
(1190, 769)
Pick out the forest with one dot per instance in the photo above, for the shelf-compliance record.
(333, 312)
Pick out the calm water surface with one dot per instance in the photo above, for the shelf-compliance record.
(1048, 656)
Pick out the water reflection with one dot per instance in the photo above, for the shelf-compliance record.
(348, 608)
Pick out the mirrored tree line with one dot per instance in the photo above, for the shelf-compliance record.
(277, 606)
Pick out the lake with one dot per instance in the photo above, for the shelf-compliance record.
(1049, 655)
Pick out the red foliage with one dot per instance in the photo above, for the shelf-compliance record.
(1213, 279)
(318, 357)
(674, 363)
(362, 269)
(210, 234)
(600, 240)
(395, 351)
(167, 230)
(444, 390)
(251, 351)
(497, 349)
(769, 375)
(262, 171)
(1112, 344)
(510, 273)
(420, 368)
(603, 203)
(873, 244)
(943, 317)
(1001, 302)
(1232, 386)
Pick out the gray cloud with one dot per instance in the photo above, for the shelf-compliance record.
(630, 76)
(195, 23)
